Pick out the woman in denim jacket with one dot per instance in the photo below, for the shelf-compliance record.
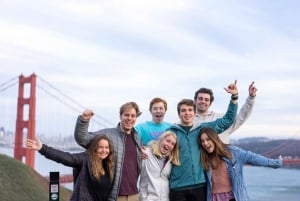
(224, 163)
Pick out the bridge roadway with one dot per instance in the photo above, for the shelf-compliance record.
(69, 178)
(291, 161)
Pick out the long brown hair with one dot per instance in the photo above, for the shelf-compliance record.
(98, 165)
(219, 152)
(174, 154)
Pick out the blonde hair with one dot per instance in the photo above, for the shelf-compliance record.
(97, 165)
(174, 154)
(219, 152)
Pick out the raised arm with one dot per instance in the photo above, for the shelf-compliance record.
(81, 134)
(221, 124)
(242, 115)
(251, 158)
(66, 158)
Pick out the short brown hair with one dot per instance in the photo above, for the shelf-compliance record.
(130, 105)
(188, 102)
(157, 100)
(205, 91)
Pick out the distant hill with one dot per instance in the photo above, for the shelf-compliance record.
(269, 147)
(18, 182)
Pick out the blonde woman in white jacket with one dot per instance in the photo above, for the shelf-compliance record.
(156, 169)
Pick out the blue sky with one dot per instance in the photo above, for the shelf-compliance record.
(105, 53)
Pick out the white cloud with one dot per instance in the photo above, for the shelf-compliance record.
(103, 53)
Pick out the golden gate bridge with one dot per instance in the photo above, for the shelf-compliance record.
(31, 106)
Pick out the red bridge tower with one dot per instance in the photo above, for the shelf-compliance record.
(25, 125)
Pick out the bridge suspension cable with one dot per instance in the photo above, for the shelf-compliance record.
(8, 102)
(71, 103)
(8, 84)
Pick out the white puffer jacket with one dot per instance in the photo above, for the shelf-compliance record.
(154, 182)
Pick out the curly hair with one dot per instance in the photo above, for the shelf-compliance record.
(205, 91)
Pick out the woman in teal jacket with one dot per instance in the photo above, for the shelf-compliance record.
(224, 163)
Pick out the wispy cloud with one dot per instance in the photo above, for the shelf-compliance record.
(110, 52)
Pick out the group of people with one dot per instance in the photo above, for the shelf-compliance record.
(158, 160)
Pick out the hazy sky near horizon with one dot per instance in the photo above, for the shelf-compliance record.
(105, 53)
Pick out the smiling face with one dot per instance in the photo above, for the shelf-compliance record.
(128, 119)
(207, 143)
(158, 112)
(167, 145)
(186, 115)
(103, 149)
(202, 102)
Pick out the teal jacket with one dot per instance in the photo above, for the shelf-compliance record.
(190, 173)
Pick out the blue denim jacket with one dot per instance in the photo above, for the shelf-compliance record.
(235, 170)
